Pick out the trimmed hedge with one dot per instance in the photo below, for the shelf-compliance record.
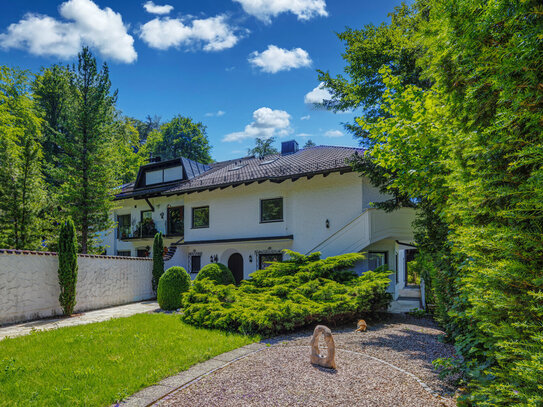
(158, 260)
(301, 291)
(67, 266)
(173, 283)
(218, 273)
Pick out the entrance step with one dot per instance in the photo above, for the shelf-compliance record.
(404, 304)
(410, 292)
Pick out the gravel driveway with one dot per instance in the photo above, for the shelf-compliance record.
(388, 365)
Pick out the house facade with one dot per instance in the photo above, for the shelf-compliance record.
(244, 212)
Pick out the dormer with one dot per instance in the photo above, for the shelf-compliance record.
(160, 173)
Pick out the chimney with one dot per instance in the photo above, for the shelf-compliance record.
(289, 147)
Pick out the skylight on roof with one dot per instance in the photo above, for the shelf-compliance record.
(269, 161)
(237, 167)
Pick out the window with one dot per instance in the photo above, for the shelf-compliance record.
(123, 226)
(376, 259)
(271, 210)
(195, 263)
(164, 175)
(264, 260)
(176, 224)
(146, 215)
(143, 253)
(125, 253)
(200, 217)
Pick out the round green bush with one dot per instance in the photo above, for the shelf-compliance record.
(174, 282)
(218, 273)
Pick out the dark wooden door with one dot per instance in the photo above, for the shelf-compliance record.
(235, 264)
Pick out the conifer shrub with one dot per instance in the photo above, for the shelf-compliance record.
(158, 260)
(173, 283)
(67, 266)
(218, 273)
(301, 291)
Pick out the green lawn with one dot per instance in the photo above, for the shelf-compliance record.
(98, 364)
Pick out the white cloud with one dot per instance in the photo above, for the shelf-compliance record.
(333, 133)
(304, 135)
(276, 59)
(218, 113)
(266, 123)
(213, 33)
(265, 9)
(153, 8)
(101, 29)
(318, 95)
(305, 117)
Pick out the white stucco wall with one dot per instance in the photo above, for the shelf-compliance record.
(234, 213)
(29, 286)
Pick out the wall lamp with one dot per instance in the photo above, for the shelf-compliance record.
(250, 258)
(327, 224)
(211, 259)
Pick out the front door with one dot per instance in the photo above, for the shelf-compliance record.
(235, 264)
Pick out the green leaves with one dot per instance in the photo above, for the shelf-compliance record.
(287, 295)
(461, 138)
(21, 178)
(67, 266)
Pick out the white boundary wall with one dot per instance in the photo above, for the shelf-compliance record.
(29, 286)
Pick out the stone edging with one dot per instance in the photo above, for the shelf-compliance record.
(150, 395)
(98, 256)
(167, 387)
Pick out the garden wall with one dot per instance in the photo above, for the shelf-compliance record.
(29, 283)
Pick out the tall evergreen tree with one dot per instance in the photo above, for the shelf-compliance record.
(53, 96)
(21, 178)
(85, 172)
(158, 260)
(67, 266)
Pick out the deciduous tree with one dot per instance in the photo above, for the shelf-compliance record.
(21, 179)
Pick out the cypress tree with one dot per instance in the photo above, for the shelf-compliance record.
(67, 266)
(158, 260)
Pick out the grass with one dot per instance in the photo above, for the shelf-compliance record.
(99, 364)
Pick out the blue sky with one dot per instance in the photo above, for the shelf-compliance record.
(245, 68)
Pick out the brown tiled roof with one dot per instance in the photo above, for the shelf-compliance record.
(277, 167)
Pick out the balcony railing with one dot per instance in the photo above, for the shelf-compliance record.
(144, 231)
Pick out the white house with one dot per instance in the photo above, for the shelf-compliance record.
(244, 212)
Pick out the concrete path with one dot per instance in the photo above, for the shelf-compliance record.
(84, 318)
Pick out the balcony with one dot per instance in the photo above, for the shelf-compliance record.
(146, 230)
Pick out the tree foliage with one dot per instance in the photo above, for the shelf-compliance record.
(158, 260)
(67, 266)
(309, 143)
(462, 140)
(301, 291)
(263, 147)
(85, 173)
(22, 190)
(180, 137)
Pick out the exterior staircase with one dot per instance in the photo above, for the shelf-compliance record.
(171, 251)
(408, 299)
